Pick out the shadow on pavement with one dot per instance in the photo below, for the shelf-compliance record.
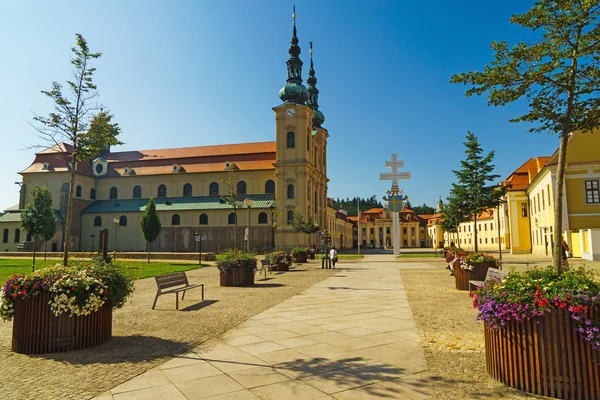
(199, 306)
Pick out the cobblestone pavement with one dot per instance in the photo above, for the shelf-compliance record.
(351, 336)
(452, 337)
(143, 338)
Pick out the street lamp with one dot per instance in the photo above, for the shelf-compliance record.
(249, 203)
(93, 236)
(116, 221)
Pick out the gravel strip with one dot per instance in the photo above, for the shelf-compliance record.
(144, 338)
(452, 337)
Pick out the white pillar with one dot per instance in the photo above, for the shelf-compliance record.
(396, 233)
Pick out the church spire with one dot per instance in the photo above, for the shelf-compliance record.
(294, 91)
(313, 93)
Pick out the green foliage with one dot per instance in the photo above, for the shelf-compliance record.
(150, 222)
(236, 259)
(300, 250)
(278, 257)
(38, 216)
(118, 277)
(349, 205)
(98, 139)
(231, 197)
(421, 210)
(472, 194)
(299, 224)
(453, 214)
(558, 75)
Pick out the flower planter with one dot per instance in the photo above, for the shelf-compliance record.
(301, 258)
(280, 267)
(237, 277)
(548, 359)
(463, 276)
(36, 330)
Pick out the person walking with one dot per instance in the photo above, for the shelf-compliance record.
(333, 256)
(565, 253)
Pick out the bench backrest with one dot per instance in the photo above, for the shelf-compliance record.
(265, 262)
(495, 273)
(170, 280)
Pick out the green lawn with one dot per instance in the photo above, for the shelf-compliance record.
(350, 256)
(10, 266)
(419, 255)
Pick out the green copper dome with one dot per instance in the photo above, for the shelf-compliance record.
(294, 91)
(319, 117)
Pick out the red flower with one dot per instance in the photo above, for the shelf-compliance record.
(73, 288)
(35, 286)
(563, 305)
(23, 291)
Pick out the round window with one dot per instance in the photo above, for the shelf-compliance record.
(99, 168)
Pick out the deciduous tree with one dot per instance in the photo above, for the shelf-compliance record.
(558, 75)
(150, 224)
(38, 217)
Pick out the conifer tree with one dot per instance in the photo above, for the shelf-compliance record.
(150, 224)
(74, 122)
(38, 217)
(473, 190)
(558, 74)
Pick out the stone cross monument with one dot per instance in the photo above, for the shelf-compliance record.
(395, 198)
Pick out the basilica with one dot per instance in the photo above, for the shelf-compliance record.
(272, 181)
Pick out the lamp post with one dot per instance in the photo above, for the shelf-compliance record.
(249, 203)
(93, 236)
(116, 221)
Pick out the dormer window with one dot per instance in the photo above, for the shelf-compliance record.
(100, 166)
(46, 167)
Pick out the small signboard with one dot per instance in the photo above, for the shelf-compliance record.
(199, 238)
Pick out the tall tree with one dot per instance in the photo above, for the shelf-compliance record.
(453, 215)
(231, 197)
(473, 189)
(559, 75)
(38, 216)
(72, 118)
(150, 224)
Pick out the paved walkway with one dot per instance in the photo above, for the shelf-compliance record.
(352, 336)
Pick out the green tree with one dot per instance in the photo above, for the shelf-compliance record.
(453, 215)
(302, 225)
(73, 121)
(150, 224)
(47, 235)
(472, 190)
(559, 75)
(38, 217)
(232, 198)
(424, 209)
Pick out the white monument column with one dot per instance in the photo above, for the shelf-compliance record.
(395, 197)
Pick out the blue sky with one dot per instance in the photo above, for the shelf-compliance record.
(191, 73)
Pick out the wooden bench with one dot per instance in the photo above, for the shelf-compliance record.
(171, 281)
(491, 274)
(265, 266)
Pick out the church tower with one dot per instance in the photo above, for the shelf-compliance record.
(300, 160)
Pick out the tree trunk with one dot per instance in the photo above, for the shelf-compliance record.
(33, 265)
(69, 212)
(558, 203)
(45, 249)
(475, 247)
(148, 248)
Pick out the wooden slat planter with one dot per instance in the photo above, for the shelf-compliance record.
(301, 258)
(37, 331)
(549, 358)
(237, 277)
(280, 267)
(463, 276)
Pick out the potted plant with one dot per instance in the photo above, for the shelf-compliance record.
(300, 254)
(237, 268)
(279, 261)
(542, 331)
(68, 308)
(472, 266)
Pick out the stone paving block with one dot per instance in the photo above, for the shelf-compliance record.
(238, 364)
(335, 381)
(259, 376)
(146, 380)
(166, 392)
(190, 372)
(290, 390)
(211, 386)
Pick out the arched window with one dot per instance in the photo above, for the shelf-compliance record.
(290, 217)
(270, 187)
(17, 235)
(175, 220)
(203, 219)
(291, 140)
(122, 220)
(78, 191)
(214, 189)
(241, 187)
(231, 219)
(114, 193)
(290, 193)
(187, 190)
(5, 236)
(162, 191)
(98, 221)
(137, 192)
(93, 194)
(262, 218)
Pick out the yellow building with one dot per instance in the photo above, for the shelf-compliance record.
(375, 229)
(112, 190)
(340, 228)
(488, 235)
